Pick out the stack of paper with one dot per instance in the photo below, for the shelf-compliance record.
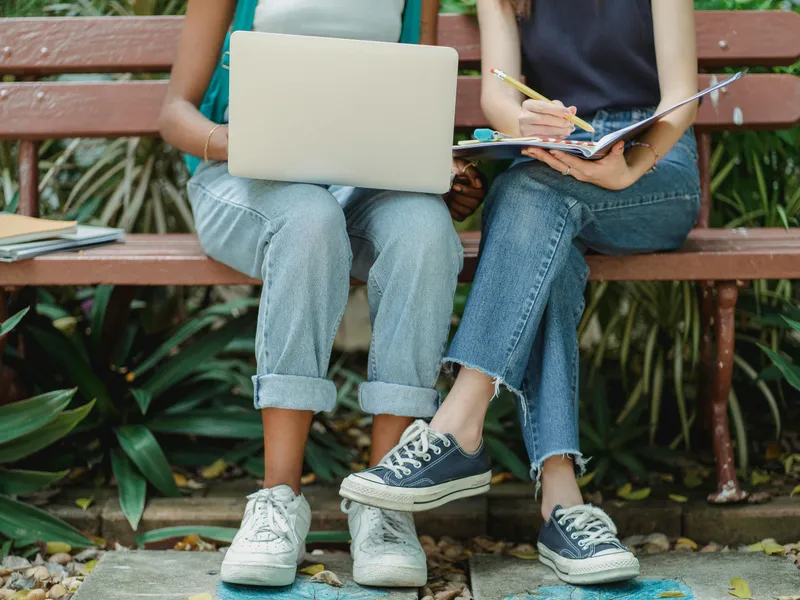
(25, 237)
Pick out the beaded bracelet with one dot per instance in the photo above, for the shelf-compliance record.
(655, 152)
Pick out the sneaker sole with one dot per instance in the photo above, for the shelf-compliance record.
(413, 499)
(388, 576)
(590, 571)
(247, 573)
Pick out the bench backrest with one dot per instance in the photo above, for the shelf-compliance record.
(32, 110)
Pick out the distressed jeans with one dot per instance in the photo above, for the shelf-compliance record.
(520, 321)
(304, 242)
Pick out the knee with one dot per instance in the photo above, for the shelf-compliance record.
(428, 239)
(314, 223)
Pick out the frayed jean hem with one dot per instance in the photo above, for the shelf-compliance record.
(294, 392)
(575, 455)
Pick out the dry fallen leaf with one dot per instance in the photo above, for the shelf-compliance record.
(586, 479)
(84, 503)
(214, 470)
(771, 547)
(204, 596)
(308, 479)
(739, 588)
(327, 577)
(678, 498)
(626, 492)
(671, 594)
(773, 451)
(57, 548)
(531, 556)
(797, 597)
(89, 567)
(687, 542)
(101, 542)
(759, 477)
(180, 480)
(500, 478)
(312, 569)
(692, 480)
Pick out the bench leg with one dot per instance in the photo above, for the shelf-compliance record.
(728, 489)
(708, 361)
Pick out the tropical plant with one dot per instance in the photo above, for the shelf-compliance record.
(28, 427)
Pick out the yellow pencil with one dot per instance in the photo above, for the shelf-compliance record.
(537, 96)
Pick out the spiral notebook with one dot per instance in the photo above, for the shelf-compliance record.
(500, 146)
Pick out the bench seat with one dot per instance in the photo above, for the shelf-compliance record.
(178, 259)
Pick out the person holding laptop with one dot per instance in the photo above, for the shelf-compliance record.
(304, 241)
(615, 60)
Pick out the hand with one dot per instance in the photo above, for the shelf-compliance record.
(468, 191)
(545, 119)
(611, 172)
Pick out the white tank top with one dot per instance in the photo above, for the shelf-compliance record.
(377, 20)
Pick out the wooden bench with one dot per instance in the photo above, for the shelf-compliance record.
(719, 260)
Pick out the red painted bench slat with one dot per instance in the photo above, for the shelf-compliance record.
(148, 44)
(178, 259)
(50, 110)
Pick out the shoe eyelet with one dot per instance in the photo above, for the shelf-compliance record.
(437, 451)
(407, 471)
(574, 536)
(447, 443)
(427, 458)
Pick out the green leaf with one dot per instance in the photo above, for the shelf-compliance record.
(44, 436)
(143, 399)
(11, 322)
(793, 324)
(64, 355)
(181, 335)
(102, 295)
(181, 365)
(142, 448)
(790, 371)
(499, 451)
(320, 461)
(211, 423)
(317, 537)
(218, 534)
(20, 418)
(21, 521)
(14, 482)
(132, 487)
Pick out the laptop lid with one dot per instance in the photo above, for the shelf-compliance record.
(345, 112)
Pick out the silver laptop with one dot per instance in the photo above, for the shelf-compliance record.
(343, 112)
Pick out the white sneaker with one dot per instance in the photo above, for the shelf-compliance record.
(271, 541)
(385, 548)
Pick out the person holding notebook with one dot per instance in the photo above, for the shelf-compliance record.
(304, 241)
(616, 61)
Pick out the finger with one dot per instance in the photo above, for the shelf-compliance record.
(469, 193)
(569, 159)
(548, 108)
(546, 131)
(544, 120)
(549, 159)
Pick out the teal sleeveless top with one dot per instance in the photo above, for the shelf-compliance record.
(215, 101)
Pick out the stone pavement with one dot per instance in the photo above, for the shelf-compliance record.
(167, 575)
(699, 576)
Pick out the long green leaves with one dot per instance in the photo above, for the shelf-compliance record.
(15, 482)
(142, 448)
(20, 418)
(211, 423)
(790, 372)
(20, 521)
(34, 441)
(132, 487)
(12, 321)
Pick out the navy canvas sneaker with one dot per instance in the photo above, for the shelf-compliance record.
(580, 544)
(425, 470)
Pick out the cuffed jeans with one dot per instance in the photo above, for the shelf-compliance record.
(304, 241)
(528, 295)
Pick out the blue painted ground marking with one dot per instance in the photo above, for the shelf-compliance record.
(301, 589)
(640, 589)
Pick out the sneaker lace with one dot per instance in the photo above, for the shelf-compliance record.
(589, 523)
(387, 525)
(271, 516)
(415, 444)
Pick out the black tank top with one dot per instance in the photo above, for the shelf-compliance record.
(593, 54)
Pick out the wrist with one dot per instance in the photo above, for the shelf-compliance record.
(218, 144)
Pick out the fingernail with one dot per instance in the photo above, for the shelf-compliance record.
(457, 188)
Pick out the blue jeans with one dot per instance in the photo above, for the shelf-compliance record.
(304, 242)
(520, 322)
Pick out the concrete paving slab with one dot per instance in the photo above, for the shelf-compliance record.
(167, 575)
(699, 576)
